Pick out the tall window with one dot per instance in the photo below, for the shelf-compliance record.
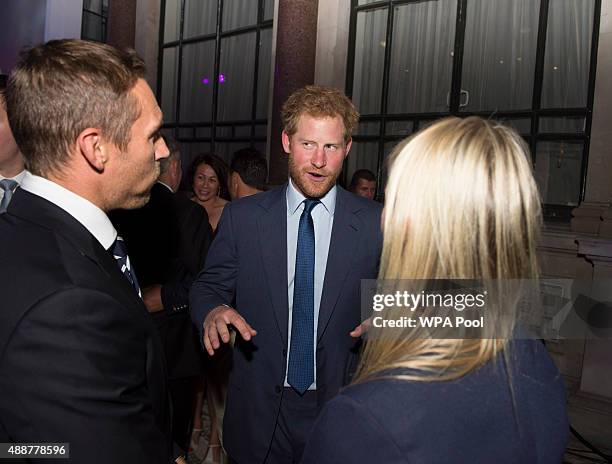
(214, 73)
(529, 63)
(95, 16)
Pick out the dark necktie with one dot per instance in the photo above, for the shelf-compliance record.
(119, 251)
(300, 374)
(8, 185)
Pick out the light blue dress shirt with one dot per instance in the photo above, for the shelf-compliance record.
(323, 219)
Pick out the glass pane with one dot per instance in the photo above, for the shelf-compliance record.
(172, 20)
(200, 17)
(168, 88)
(557, 171)
(521, 125)
(91, 29)
(370, 45)
(185, 132)
(399, 127)
(236, 77)
(562, 124)
(243, 131)
(363, 155)
(261, 130)
(365, 2)
(197, 81)
(368, 128)
(499, 57)
(224, 131)
(568, 53)
(263, 73)
(203, 132)
(239, 13)
(93, 5)
(422, 57)
(268, 9)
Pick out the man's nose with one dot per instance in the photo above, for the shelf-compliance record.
(161, 149)
(319, 158)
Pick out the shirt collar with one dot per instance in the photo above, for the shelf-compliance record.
(89, 215)
(18, 178)
(295, 199)
(165, 185)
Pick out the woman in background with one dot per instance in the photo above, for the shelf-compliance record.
(461, 203)
(208, 174)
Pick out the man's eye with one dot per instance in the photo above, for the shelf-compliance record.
(156, 136)
(331, 147)
(308, 145)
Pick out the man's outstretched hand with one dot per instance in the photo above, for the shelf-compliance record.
(216, 326)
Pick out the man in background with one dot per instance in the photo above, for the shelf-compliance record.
(363, 183)
(168, 240)
(81, 362)
(248, 173)
(12, 168)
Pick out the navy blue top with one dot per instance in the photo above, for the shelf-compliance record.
(469, 420)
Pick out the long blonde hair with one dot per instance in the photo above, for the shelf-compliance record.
(460, 203)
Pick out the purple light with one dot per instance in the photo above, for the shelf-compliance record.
(205, 81)
(221, 78)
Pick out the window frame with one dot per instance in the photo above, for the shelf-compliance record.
(177, 126)
(551, 211)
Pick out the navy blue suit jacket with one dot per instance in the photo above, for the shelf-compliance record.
(248, 261)
(469, 420)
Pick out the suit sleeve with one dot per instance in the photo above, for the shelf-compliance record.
(347, 432)
(216, 283)
(192, 236)
(75, 372)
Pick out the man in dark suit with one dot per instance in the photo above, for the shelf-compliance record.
(80, 360)
(12, 169)
(293, 258)
(168, 240)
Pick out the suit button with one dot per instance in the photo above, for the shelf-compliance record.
(277, 389)
(284, 352)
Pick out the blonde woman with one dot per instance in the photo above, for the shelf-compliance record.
(461, 203)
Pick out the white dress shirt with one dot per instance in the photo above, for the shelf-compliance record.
(89, 215)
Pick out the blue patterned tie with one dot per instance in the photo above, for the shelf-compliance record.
(119, 251)
(8, 185)
(300, 374)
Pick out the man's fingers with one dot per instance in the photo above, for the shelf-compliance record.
(207, 344)
(361, 328)
(356, 332)
(242, 326)
(212, 334)
(222, 330)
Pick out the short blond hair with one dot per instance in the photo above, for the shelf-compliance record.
(319, 101)
(64, 86)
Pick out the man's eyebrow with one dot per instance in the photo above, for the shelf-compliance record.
(157, 127)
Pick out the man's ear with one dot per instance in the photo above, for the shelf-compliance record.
(349, 144)
(89, 146)
(286, 142)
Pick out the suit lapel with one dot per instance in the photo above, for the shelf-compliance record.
(341, 249)
(272, 228)
(40, 211)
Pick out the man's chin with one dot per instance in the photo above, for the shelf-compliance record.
(314, 189)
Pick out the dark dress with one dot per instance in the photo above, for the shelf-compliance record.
(469, 420)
